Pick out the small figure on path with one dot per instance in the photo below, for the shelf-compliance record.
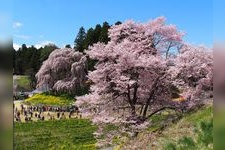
(18, 114)
(31, 114)
(39, 116)
(26, 118)
(35, 115)
(58, 114)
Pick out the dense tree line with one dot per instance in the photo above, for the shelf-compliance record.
(28, 60)
(91, 36)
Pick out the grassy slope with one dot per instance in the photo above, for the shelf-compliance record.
(64, 134)
(23, 83)
(46, 99)
(218, 127)
(186, 127)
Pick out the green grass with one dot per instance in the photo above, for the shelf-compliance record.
(23, 83)
(175, 131)
(159, 120)
(73, 134)
(219, 127)
(46, 99)
(193, 131)
(203, 139)
(109, 127)
(6, 138)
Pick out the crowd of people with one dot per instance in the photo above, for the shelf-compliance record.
(43, 112)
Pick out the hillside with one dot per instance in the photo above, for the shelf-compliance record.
(192, 131)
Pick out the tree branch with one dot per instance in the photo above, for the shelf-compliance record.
(119, 95)
(161, 109)
(167, 51)
(135, 94)
(150, 97)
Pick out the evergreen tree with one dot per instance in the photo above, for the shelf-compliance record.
(104, 33)
(89, 40)
(24, 47)
(23, 59)
(33, 65)
(118, 23)
(18, 66)
(45, 52)
(68, 46)
(79, 41)
(97, 33)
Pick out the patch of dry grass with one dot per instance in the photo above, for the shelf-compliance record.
(148, 140)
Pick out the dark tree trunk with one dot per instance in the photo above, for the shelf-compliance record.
(133, 101)
(149, 99)
(133, 112)
(141, 109)
(135, 94)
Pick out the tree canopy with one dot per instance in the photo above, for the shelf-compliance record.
(64, 71)
(136, 70)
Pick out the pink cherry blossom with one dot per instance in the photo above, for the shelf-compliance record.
(63, 71)
(131, 73)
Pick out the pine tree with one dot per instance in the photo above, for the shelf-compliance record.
(79, 41)
(104, 33)
(97, 32)
(67, 46)
(118, 23)
(89, 40)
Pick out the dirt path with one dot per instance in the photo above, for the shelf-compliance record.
(47, 114)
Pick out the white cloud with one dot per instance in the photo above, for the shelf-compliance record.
(16, 46)
(43, 43)
(38, 45)
(22, 36)
(17, 25)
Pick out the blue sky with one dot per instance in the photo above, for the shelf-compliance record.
(218, 21)
(38, 22)
(5, 21)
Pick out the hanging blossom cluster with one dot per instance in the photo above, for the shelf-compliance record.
(131, 77)
(63, 71)
(193, 72)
